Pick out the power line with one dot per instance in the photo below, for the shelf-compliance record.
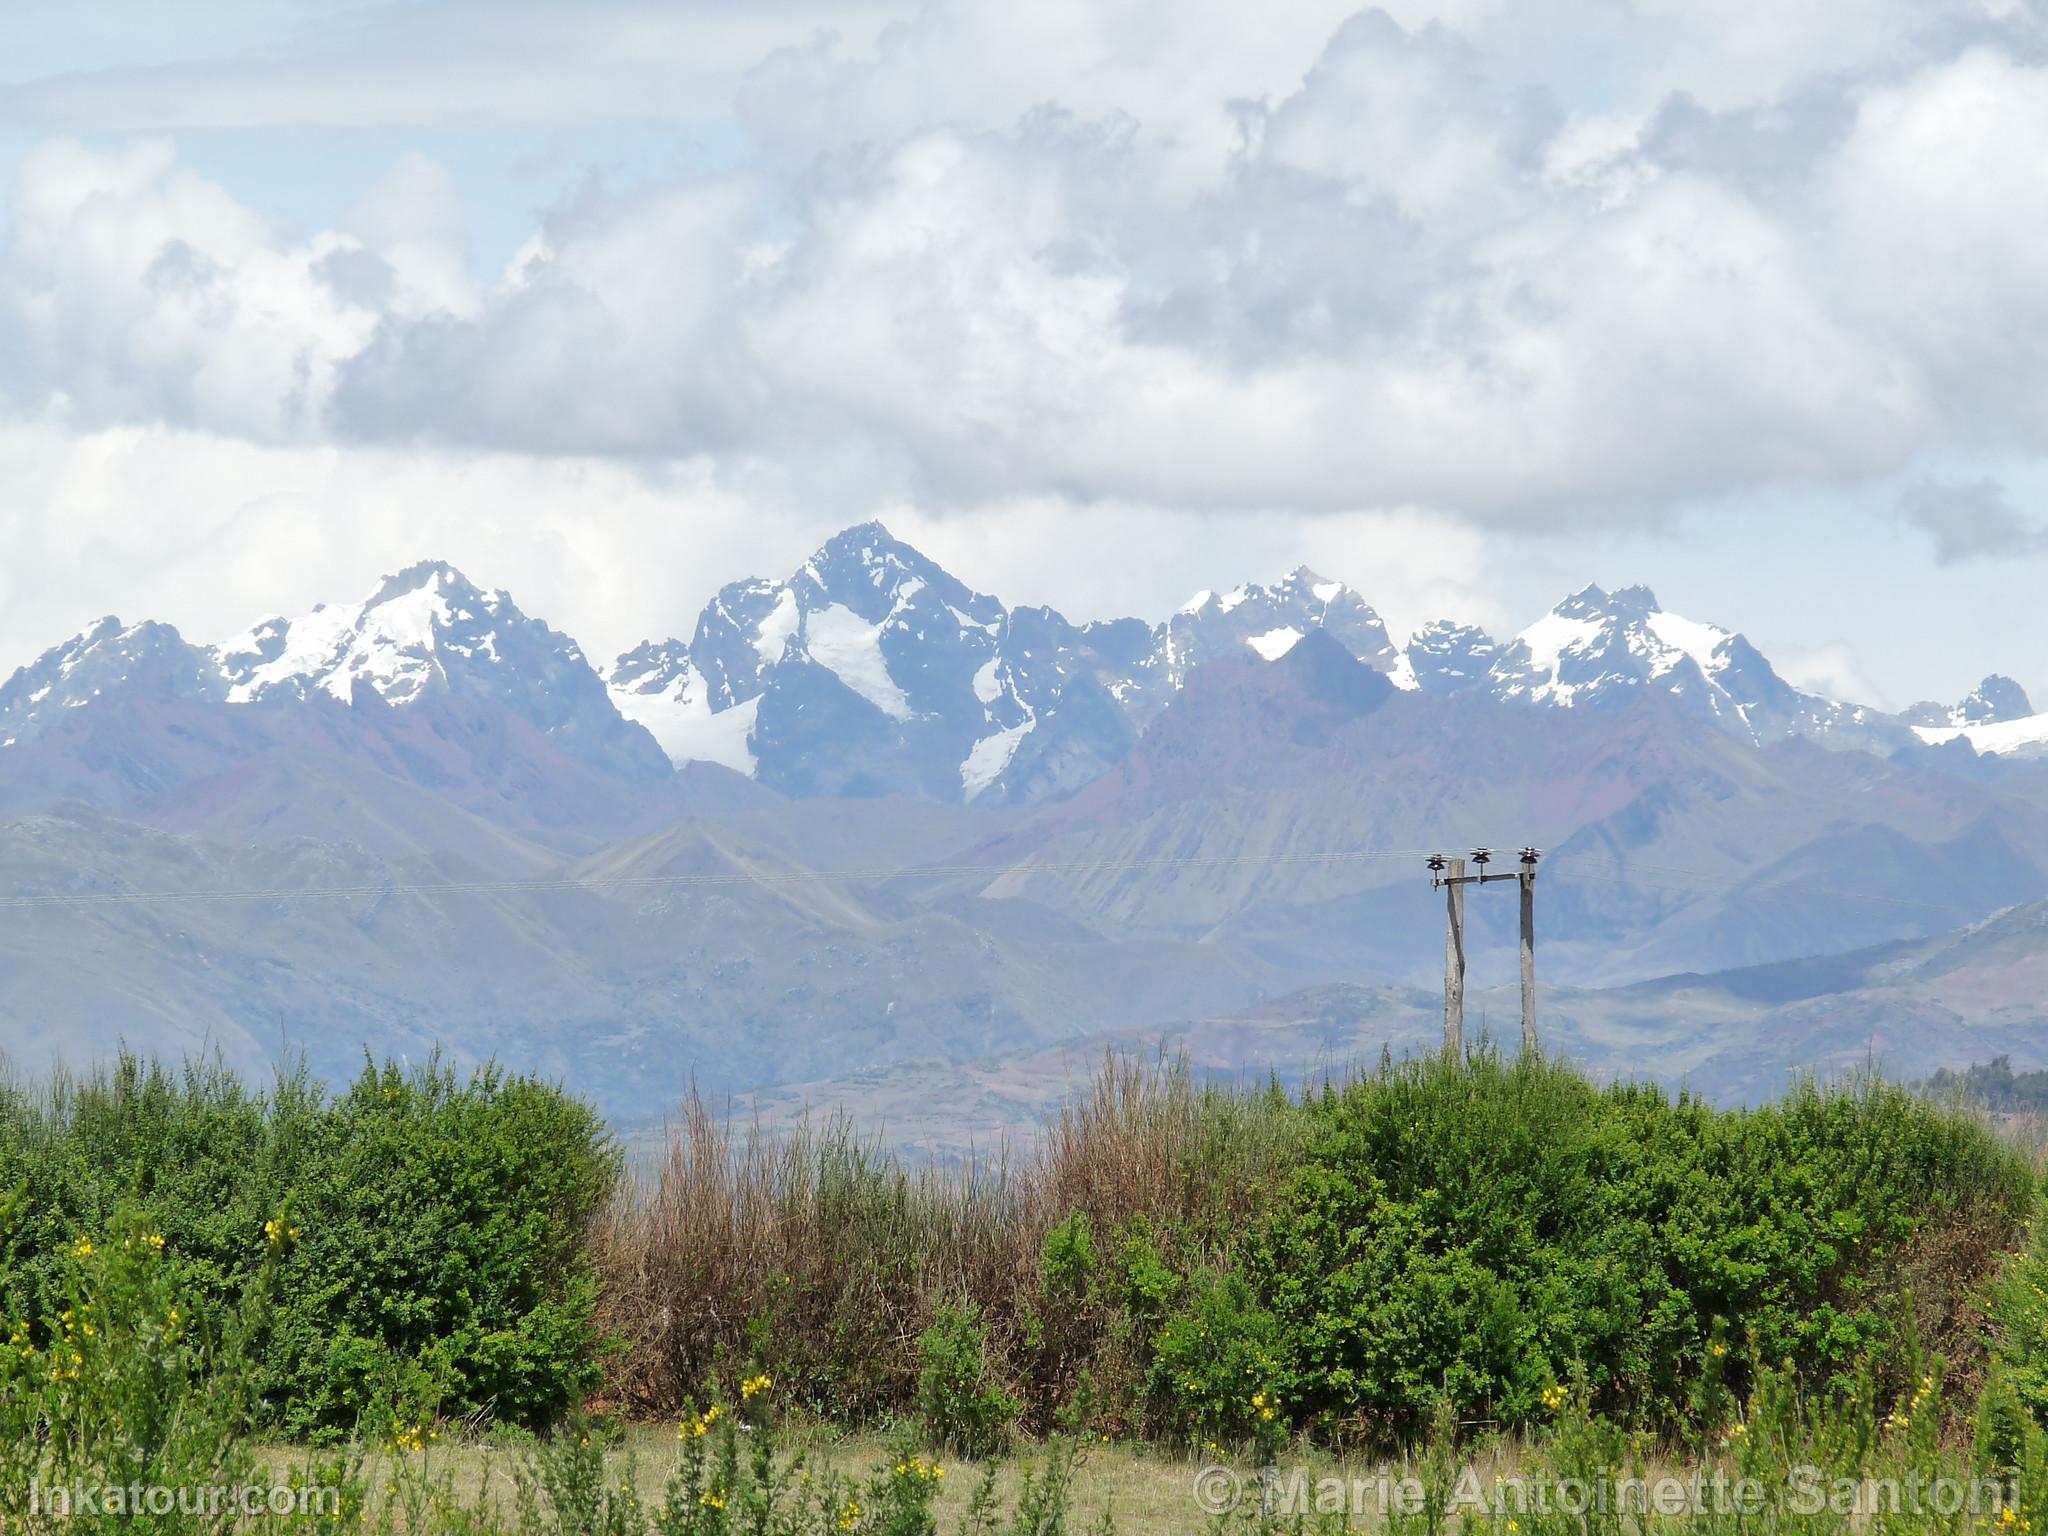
(793, 876)
(1652, 876)
(1663, 876)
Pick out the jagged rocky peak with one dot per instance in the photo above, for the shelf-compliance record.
(1600, 649)
(398, 640)
(850, 607)
(1271, 620)
(876, 574)
(1992, 702)
(106, 659)
(428, 630)
(1445, 657)
(650, 665)
(870, 669)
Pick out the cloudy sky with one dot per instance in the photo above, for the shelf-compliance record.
(1099, 301)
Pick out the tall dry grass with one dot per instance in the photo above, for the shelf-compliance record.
(820, 1254)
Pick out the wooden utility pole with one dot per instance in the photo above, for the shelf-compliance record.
(1450, 874)
(1454, 960)
(1528, 879)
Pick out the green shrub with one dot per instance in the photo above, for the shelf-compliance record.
(1067, 1257)
(1219, 1367)
(444, 1263)
(1470, 1231)
(1148, 1283)
(134, 1380)
(961, 1409)
(444, 1252)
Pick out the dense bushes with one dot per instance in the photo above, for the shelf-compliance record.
(1476, 1233)
(1200, 1263)
(439, 1261)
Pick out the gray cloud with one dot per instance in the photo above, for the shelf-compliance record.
(1969, 520)
(1165, 255)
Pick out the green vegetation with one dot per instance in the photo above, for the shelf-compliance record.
(439, 1260)
(1475, 1235)
(1206, 1261)
(1438, 1262)
(1992, 1085)
(958, 1407)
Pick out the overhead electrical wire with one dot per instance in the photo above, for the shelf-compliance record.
(1650, 876)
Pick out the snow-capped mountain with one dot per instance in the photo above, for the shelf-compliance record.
(1599, 649)
(104, 661)
(873, 670)
(1997, 718)
(426, 634)
(1269, 620)
(1446, 658)
(429, 632)
(1994, 701)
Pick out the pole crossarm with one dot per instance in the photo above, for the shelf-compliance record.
(1448, 874)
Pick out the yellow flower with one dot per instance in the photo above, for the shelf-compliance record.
(753, 1386)
(713, 1498)
(699, 1427)
(82, 1249)
(1555, 1397)
(155, 1241)
(1720, 1350)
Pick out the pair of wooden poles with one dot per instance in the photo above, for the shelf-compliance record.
(1450, 874)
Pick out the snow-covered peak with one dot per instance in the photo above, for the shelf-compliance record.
(1447, 658)
(1598, 647)
(105, 659)
(1997, 717)
(1994, 701)
(399, 640)
(429, 631)
(871, 572)
(866, 607)
(1267, 620)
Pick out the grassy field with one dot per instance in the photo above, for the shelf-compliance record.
(1145, 1490)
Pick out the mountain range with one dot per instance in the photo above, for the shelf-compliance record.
(866, 817)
